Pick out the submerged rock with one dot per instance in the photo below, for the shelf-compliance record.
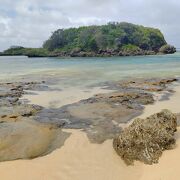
(149, 85)
(99, 116)
(10, 93)
(103, 115)
(145, 139)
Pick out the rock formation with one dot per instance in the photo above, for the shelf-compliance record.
(28, 131)
(146, 139)
(167, 49)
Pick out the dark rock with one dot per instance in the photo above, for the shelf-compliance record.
(146, 139)
(102, 115)
(167, 49)
(125, 98)
(11, 92)
(152, 85)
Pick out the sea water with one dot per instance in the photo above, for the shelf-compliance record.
(72, 72)
(73, 79)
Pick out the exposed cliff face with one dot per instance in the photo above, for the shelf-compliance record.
(146, 139)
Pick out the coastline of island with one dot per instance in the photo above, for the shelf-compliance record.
(112, 39)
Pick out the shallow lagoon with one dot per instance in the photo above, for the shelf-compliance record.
(71, 72)
(73, 79)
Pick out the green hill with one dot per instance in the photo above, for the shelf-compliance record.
(113, 39)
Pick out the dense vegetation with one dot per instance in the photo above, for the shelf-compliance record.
(110, 36)
(36, 52)
(111, 39)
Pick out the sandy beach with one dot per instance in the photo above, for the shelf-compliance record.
(79, 159)
(89, 90)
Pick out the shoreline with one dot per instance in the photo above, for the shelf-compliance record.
(92, 54)
(95, 161)
(86, 152)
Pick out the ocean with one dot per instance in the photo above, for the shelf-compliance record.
(83, 72)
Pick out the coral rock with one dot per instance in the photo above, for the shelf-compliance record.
(146, 139)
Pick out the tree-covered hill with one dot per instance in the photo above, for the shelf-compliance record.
(113, 39)
(110, 36)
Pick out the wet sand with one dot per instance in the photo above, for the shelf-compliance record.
(56, 99)
(78, 159)
(172, 104)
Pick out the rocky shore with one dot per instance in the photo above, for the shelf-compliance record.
(77, 52)
(21, 137)
(106, 53)
(100, 116)
(167, 49)
(101, 53)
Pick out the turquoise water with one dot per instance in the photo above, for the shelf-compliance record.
(88, 71)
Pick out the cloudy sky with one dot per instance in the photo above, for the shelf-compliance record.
(29, 22)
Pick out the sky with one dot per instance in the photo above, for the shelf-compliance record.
(29, 23)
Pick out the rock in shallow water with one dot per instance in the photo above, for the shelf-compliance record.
(146, 139)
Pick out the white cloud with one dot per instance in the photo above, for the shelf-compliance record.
(30, 22)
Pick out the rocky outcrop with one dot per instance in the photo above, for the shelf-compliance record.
(102, 115)
(102, 53)
(167, 49)
(146, 139)
(152, 85)
(28, 131)
(27, 139)
(21, 137)
(10, 93)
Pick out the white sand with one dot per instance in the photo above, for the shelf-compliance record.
(78, 159)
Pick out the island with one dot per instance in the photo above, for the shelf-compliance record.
(112, 39)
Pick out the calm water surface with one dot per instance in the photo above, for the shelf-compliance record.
(71, 72)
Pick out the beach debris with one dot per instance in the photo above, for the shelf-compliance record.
(146, 139)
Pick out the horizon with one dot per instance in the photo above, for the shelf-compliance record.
(29, 23)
